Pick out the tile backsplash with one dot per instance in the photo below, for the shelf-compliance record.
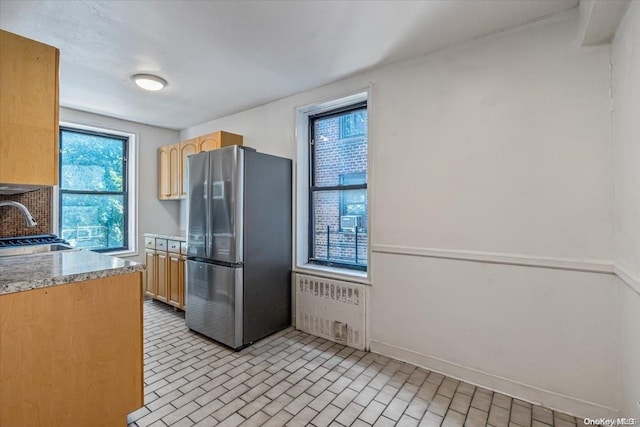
(39, 204)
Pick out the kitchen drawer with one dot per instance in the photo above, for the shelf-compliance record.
(150, 242)
(161, 244)
(174, 246)
(183, 248)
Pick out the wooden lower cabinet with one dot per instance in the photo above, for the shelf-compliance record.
(150, 276)
(165, 278)
(175, 283)
(182, 276)
(162, 261)
(71, 355)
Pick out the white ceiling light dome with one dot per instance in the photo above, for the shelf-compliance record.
(149, 81)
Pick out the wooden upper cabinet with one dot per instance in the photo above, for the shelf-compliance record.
(217, 140)
(169, 171)
(164, 173)
(173, 161)
(187, 148)
(28, 111)
(175, 170)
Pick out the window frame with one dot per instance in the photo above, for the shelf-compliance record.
(312, 188)
(127, 179)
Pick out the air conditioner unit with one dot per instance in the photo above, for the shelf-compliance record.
(350, 222)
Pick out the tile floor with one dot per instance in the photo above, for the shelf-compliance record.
(296, 379)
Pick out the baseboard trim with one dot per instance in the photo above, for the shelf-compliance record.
(573, 264)
(629, 278)
(549, 399)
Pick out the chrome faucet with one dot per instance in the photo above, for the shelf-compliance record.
(31, 222)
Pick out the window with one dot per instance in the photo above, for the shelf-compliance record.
(94, 198)
(338, 187)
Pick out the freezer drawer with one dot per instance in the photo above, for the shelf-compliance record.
(214, 302)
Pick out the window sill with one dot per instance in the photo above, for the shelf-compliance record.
(362, 233)
(125, 254)
(334, 273)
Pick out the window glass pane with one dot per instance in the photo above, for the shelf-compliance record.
(353, 178)
(91, 162)
(354, 202)
(353, 124)
(335, 156)
(93, 221)
(336, 237)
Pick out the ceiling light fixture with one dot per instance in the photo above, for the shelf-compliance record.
(149, 81)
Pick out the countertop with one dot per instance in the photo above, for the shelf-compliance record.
(22, 273)
(173, 236)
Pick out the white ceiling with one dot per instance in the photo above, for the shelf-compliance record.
(221, 57)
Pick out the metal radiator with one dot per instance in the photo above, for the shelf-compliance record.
(331, 309)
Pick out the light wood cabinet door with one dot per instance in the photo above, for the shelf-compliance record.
(170, 171)
(187, 148)
(165, 276)
(164, 192)
(209, 142)
(162, 276)
(174, 285)
(182, 277)
(175, 170)
(150, 275)
(28, 111)
(173, 161)
(217, 140)
(72, 355)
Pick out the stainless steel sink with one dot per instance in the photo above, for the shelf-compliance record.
(34, 249)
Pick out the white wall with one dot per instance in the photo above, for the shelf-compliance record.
(625, 59)
(505, 144)
(629, 311)
(154, 216)
(501, 145)
(541, 334)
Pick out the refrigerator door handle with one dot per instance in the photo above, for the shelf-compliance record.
(207, 214)
(210, 213)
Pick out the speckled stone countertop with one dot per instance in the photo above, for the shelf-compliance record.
(22, 273)
(174, 236)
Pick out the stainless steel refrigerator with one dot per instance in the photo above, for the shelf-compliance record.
(238, 245)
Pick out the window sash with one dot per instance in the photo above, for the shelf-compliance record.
(337, 264)
(125, 185)
(339, 187)
(325, 188)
